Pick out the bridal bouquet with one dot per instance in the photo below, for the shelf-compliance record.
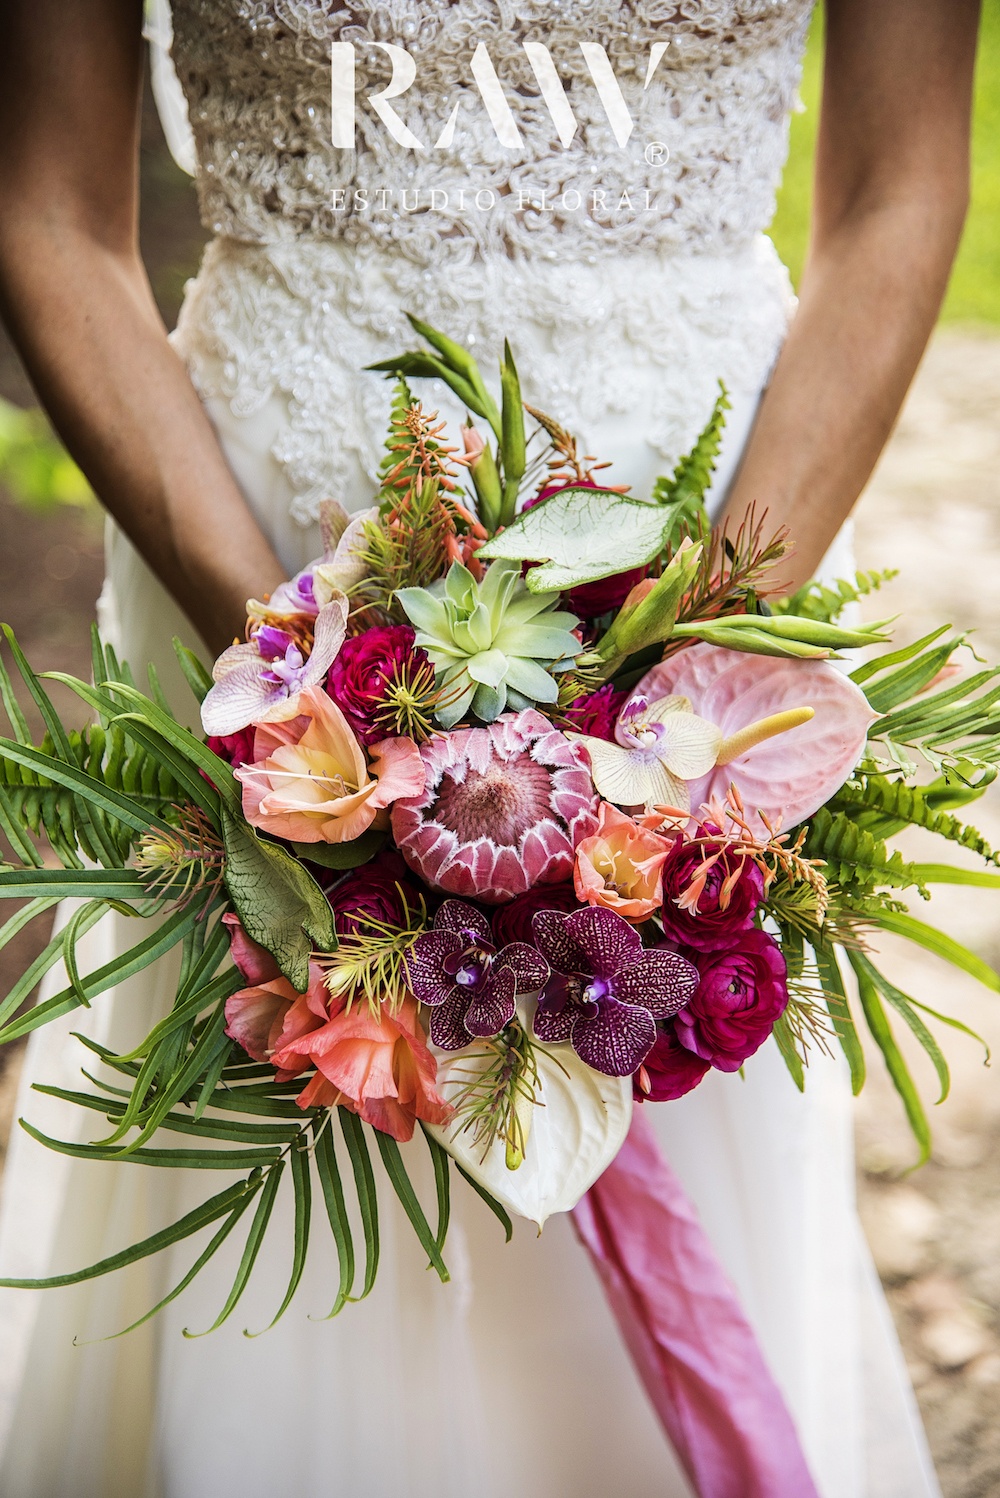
(527, 804)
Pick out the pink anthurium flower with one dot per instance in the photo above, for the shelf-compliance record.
(792, 730)
(261, 681)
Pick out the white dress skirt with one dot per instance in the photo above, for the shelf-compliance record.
(510, 1379)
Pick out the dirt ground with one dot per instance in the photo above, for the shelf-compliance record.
(933, 510)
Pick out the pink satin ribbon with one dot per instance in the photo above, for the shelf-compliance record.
(687, 1334)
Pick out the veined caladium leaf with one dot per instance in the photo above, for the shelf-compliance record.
(281, 906)
(580, 535)
(576, 1130)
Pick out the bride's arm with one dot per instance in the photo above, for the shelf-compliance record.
(891, 195)
(78, 304)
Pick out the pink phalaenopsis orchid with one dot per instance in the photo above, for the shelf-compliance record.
(261, 681)
(792, 730)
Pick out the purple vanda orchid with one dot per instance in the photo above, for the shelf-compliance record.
(260, 681)
(470, 986)
(606, 989)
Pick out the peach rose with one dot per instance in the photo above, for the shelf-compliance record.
(378, 1066)
(311, 782)
(619, 866)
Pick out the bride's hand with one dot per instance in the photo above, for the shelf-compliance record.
(892, 182)
(75, 296)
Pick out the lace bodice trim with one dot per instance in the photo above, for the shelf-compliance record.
(698, 172)
(645, 333)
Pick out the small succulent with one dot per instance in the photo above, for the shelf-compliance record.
(493, 643)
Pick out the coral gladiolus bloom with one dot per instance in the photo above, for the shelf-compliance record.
(619, 867)
(378, 1066)
(311, 783)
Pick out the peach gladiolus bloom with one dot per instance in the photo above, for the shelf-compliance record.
(620, 866)
(378, 1066)
(311, 782)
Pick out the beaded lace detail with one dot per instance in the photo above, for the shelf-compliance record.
(625, 279)
(257, 75)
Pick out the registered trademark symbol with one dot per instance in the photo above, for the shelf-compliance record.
(656, 153)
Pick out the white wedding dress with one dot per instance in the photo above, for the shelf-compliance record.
(624, 313)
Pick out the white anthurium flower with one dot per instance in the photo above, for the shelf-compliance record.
(660, 746)
(573, 1131)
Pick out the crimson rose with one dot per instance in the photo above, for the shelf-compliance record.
(365, 667)
(740, 997)
(382, 891)
(728, 892)
(512, 922)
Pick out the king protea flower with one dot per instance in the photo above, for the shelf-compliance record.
(501, 811)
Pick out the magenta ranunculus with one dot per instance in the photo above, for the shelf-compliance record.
(235, 748)
(591, 600)
(596, 713)
(382, 891)
(710, 893)
(671, 1068)
(513, 922)
(366, 665)
(741, 994)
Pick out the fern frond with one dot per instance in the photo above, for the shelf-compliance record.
(884, 807)
(854, 857)
(684, 491)
(826, 602)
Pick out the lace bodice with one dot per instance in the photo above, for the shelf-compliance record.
(706, 84)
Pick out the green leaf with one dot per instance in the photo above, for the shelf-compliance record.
(191, 1159)
(903, 1006)
(442, 1182)
(302, 1182)
(207, 1253)
(569, 533)
(880, 663)
(941, 945)
(885, 806)
(45, 960)
(336, 1211)
(281, 906)
(191, 1222)
(401, 1184)
(364, 1180)
(835, 996)
(948, 873)
(255, 1238)
(789, 1052)
(852, 856)
(112, 803)
(498, 1211)
(24, 917)
(62, 884)
(195, 672)
(123, 966)
(878, 1024)
(512, 446)
(343, 855)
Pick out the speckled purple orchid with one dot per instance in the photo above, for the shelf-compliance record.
(470, 986)
(260, 681)
(606, 989)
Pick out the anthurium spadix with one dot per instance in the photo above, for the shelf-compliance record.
(571, 1133)
(785, 761)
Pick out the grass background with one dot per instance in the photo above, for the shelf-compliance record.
(974, 292)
